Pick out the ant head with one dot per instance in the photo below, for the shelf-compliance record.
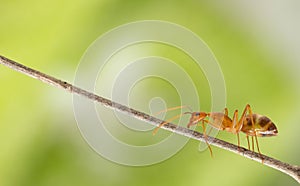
(201, 114)
(196, 117)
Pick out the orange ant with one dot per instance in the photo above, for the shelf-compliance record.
(251, 124)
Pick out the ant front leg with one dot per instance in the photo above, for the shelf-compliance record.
(194, 120)
(205, 136)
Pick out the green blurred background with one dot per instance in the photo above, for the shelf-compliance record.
(255, 43)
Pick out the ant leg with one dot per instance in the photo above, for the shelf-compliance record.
(262, 159)
(252, 121)
(226, 111)
(255, 136)
(252, 143)
(238, 137)
(240, 123)
(205, 137)
(235, 125)
(248, 142)
(204, 129)
(257, 145)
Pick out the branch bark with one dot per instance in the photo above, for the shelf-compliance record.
(292, 170)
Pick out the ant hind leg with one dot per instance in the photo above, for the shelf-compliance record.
(248, 108)
(248, 142)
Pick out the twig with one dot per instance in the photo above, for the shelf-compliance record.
(292, 170)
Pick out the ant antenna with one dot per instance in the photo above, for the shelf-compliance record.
(172, 108)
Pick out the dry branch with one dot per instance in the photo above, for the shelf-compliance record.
(292, 170)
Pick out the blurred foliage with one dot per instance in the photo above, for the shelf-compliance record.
(40, 143)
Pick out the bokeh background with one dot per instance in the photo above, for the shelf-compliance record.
(256, 43)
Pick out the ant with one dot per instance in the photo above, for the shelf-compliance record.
(254, 125)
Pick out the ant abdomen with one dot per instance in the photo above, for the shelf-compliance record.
(263, 126)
